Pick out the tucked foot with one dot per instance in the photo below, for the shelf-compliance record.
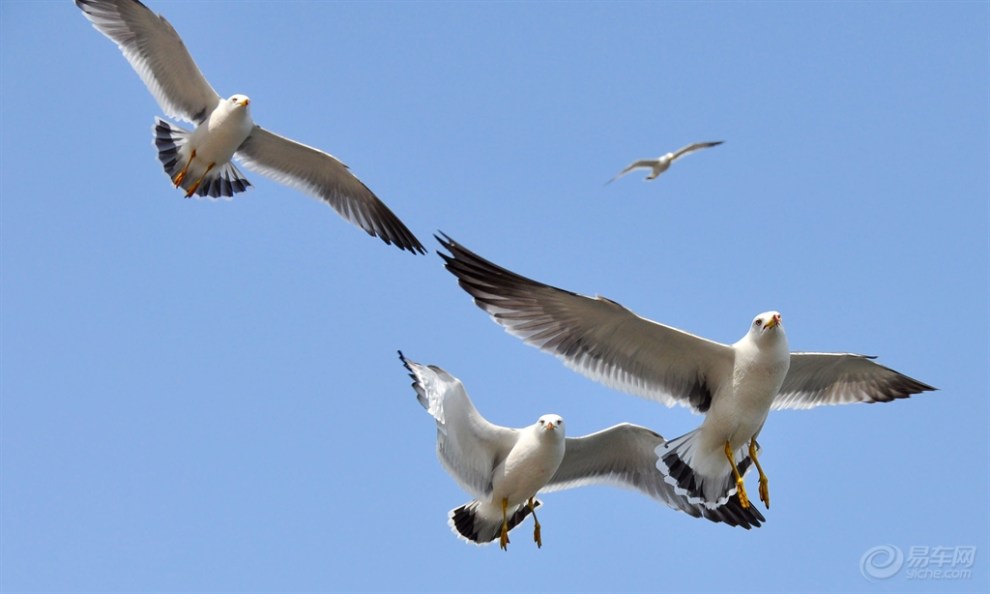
(503, 539)
(765, 491)
(195, 186)
(536, 525)
(764, 482)
(740, 487)
(177, 180)
(741, 491)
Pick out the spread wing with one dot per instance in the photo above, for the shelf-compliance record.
(321, 175)
(625, 456)
(694, 147)
(816, 379)
(648, 163)
(157, 54)
(596, 336)
(468, 446)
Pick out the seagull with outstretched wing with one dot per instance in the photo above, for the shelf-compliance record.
(200, 161)
(663, 162)
(735, 386)
(504, 468)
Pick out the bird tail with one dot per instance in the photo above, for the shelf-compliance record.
(173, 151)
(704, 477)
(471, 522)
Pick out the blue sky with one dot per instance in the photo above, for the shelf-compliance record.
(205, 397)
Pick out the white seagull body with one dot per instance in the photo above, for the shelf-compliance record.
(504, 468)
(663, 162)
(200, 161)
(735, 386)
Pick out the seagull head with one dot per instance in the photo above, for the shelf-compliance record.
(240, 100)
(551, 425)
(767, 324)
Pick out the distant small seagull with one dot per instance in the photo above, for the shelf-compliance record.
(661, 164)
(199, 161)
(735, 386)
(504, 469)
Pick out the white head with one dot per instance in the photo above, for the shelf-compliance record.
(551, 425)
(767, 326)
(239, 101)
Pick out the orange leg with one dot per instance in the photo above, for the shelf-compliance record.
(177, 180)
(195, 186)
(536, 525)
(503, 539)
(764, 481)
(740, 487)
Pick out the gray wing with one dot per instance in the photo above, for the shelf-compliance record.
(321, 175)
(625, 456)
(596, 336)
(694, 147)
(648, 163)
(816, 379)
(468, 446)
(157, 54)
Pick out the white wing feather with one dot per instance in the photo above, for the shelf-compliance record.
(817, 379)
(596, 336)
(322, 175)
(467, 444)
(157, 54)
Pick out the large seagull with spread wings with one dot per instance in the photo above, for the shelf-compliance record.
(200, 161)
(735, 386)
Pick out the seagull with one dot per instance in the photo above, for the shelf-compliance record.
(504, 468)
(200, 161)
(662, 163)
(735, 386)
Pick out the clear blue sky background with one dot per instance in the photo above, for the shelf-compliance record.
(205, 397)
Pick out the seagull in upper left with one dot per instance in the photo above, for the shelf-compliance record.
(200, 161)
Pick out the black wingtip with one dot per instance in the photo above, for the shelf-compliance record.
(444, 239)
(407, 364)
(448, 244)
(408, 243)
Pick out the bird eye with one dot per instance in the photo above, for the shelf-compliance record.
(757, 322)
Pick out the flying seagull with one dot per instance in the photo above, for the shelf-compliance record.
(662, 163)
(200, 161)
(735, 386)
(504, 469)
